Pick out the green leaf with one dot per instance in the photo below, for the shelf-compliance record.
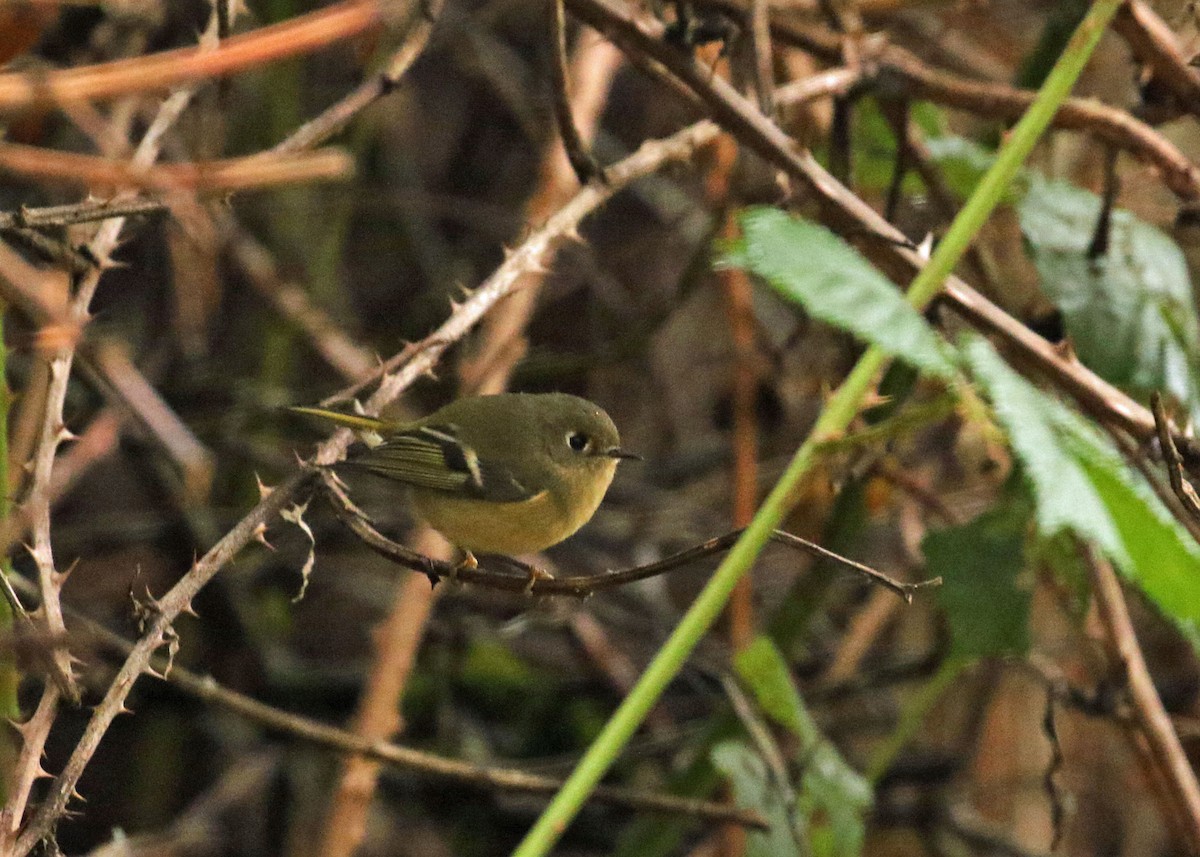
(1065, 498)
(1130, 313)
(753, 789)
(979, 563)
(762, 667)
(811, 266)
(833, 796)
(1081, 485)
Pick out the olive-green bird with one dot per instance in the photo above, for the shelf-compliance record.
(507, 474)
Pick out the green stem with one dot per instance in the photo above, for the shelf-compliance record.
(832, 423)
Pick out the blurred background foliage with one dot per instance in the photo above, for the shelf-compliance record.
(897, 730)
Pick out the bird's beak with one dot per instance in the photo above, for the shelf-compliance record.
(617, 452)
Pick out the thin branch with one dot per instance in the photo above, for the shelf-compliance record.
(79, 212)
(579, 154)
(158, 72)
(1151, 717)
(53, 431)
(585, 585)
(231, 174)
(405, 758)
(1153, 41)
(292, 301)
(1174, 462)
(903, 73)
(303, 728)
(844, 209)
(532, 254)
(320, 129)
(489, 777)
(760, 48)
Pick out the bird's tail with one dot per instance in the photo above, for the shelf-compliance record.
(354, 421)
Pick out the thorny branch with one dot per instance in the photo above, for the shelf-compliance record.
(893, 251)
(741, 118)
(901, 73)
(53, 432)
(339, 740)
(530, 255)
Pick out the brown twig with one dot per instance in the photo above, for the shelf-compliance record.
(209, 690)
(397, 639)
(488, 371)
(585, 585)
(902, 73)
(232, 174)
(760, 48)
(146, 407)
(53, 431)
(579, 153)
(79, 212)
(1153, 42)
(489, 367)
(1152, 718)
(502, 779)
(892, 251)
(320, 129)
(161, 71)
(292, 301)
(1173, 461)
(529, 256)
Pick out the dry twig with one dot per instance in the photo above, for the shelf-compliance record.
(531, 255)
(1174, 462)
(158, 72)
(580, 586)
(845, 210)
(1152, 718)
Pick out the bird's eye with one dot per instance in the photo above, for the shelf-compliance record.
(578, 442)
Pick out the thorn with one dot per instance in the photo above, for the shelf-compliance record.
(260, 535)
(65, 434)
(189, 610)
(572, 234)
(455, 306)
(264, 490)
(1065, 349)
(925, 248)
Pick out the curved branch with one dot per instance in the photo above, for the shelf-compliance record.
(584, 585)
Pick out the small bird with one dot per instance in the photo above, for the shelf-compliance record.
(510, 474)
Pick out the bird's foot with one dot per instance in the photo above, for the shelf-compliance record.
(467, 563)
(535, 574)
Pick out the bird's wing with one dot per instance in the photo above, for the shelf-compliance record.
(433, 456)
